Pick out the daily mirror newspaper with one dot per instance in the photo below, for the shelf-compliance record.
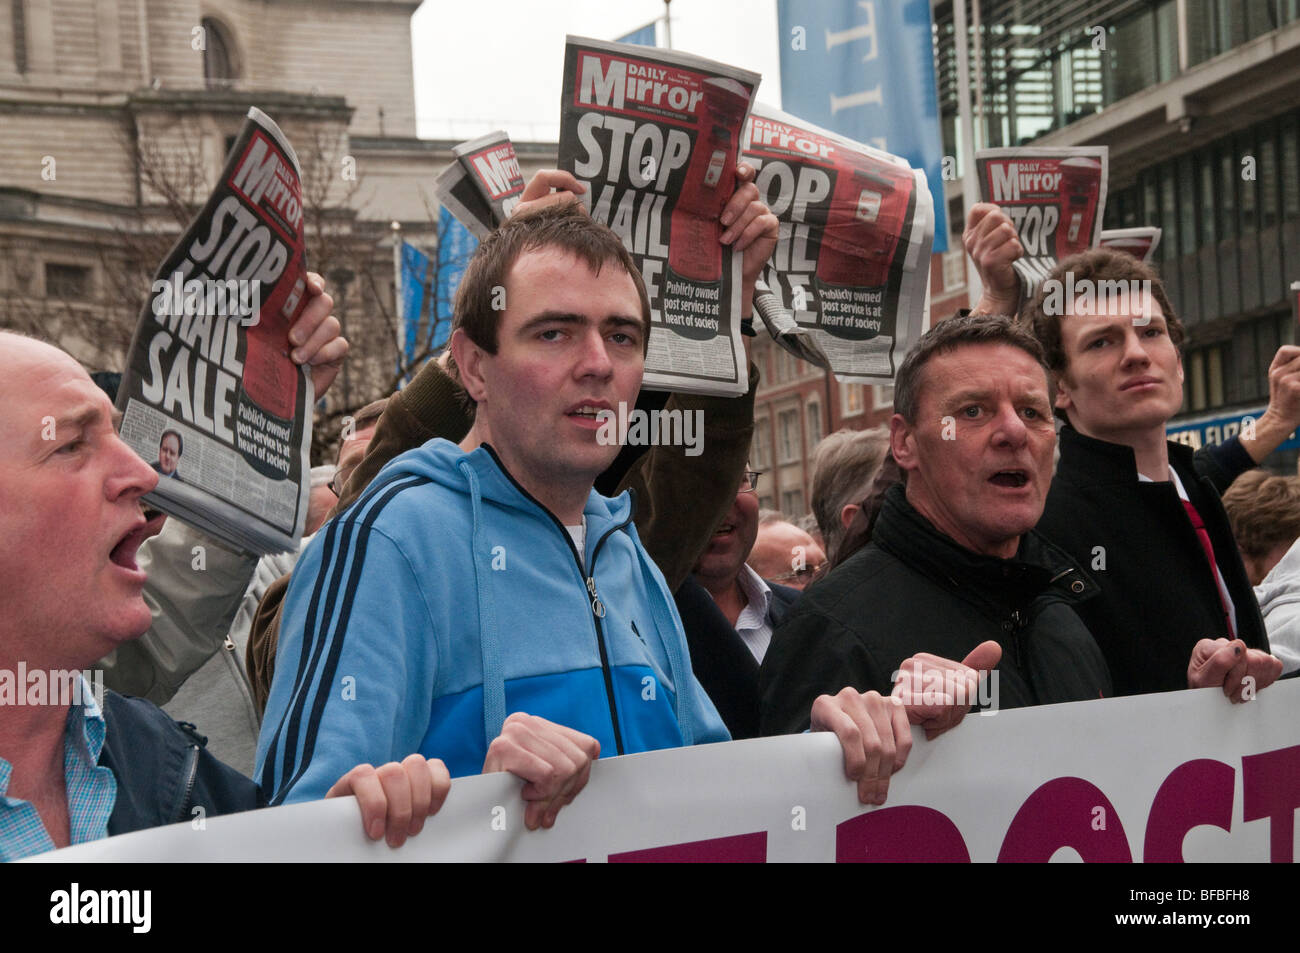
(846, 288)
(1140, 242)
(210, 396)
(1055, 197)
(482, 187)
(654, 136)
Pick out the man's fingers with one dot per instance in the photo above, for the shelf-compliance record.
(419, 782)
(362, 782)
(902, 735)
(881, 752)
(326, 331)
(332, 353)
(984, 657)
(1212, 659)
(545, 180)
(828, 716)
(761, 226)
(397, 792)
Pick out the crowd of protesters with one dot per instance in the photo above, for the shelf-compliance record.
(477, 567)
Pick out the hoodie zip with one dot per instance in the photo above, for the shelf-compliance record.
(589, 578)
(191, 777)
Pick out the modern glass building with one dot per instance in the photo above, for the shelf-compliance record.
(1199, 102)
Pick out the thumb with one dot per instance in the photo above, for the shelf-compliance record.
(984, 657)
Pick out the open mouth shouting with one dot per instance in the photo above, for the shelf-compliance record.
(1013, 479)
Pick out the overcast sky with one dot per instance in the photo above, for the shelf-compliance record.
(495, 64)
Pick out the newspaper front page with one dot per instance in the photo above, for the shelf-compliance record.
(210, 396)
(1055, 197)
(846, 288)
(654, 135)
(482, 187)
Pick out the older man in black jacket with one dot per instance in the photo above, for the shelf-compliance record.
(953, 562)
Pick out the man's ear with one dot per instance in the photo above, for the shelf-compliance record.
(902, 442)
(1062, 400)
(849, 511)
(469, 362)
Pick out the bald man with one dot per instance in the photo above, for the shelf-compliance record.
(72, 769)
(786, 554)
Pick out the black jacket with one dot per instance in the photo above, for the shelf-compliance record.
(163, 771)
(721, 660)
(1158, 596)
(913, 589)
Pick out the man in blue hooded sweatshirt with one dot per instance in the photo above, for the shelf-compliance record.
(472, 584)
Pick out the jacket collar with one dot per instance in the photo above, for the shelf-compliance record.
(1099, 461)
(1038, 566)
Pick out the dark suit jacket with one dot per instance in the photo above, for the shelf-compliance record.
(1158, 596)
(722, 662)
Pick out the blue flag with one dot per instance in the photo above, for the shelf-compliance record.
(645, 36)
(456, 247)
(865, 69)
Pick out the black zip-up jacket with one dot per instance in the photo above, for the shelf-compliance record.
(1158, 596)
(912, 589)
(163, 770)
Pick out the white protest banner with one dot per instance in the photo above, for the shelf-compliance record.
(1180, 775)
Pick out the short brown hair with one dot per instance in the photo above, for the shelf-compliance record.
(1264, 510)
(1093, 265)
(948, 336)
(567, 227)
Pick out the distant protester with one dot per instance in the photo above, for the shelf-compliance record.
(844, 464)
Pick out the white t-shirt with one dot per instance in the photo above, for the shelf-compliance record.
(579, 534)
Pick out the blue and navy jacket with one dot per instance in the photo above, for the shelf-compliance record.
(446, 598)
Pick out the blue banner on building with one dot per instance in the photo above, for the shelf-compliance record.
(1213, 430)
(429, 289)
(456, 246)
(642, 37)
(416, 268)
(865, 69)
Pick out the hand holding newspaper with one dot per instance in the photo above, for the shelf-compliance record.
(847, 286)
(210, 395)
(1055, 196)
(654, 135)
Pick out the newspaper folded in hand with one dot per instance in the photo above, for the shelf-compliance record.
(847, 287)
(1055, 196)
(654, 135)
(210, 396)
(482, 187)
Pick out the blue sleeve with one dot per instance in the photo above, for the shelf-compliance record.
(355, 665)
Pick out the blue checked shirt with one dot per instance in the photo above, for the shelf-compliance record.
(91, 789)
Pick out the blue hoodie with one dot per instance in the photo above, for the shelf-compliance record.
(445, 598)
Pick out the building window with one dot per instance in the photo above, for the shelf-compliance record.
(792, 503)
(760, 451)
(788, 442)
(882, 396)
(20, 35)
(67, 282)
(954, 270)
(220, 66)
(851, 399)
(814, 423)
